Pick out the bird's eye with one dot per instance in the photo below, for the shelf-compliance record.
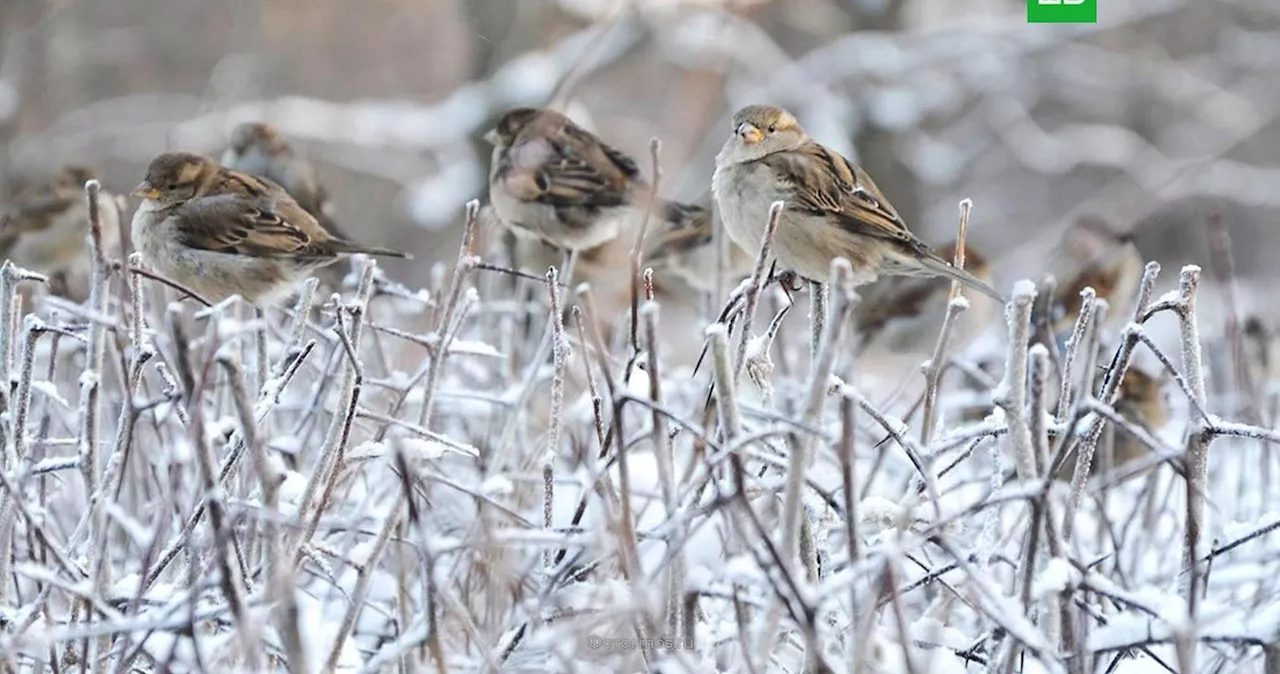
(773, 128)
(171, 186)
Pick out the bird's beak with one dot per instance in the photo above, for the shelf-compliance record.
(749, 134)
(491, 136)
(146, 191)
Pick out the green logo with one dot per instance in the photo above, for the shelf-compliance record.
(1062, 11)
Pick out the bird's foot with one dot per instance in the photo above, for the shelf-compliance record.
(789, 281)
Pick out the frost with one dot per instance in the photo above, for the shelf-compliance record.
(1023, 289)
(881, 513)
(1238, 530)
(1056, 576)
(50, 391)
(369, 450)
(742, 570)
(756, 346)
(473, 348)
(627, 530)
(497, 485)
(423, 449)
(638, 386)
(932, 632)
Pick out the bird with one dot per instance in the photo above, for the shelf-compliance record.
(44, 229)
(259, 149)
(683, 249)
(904, 314)
(1092, 253)
(222, 232)
(551, 179)
(831, 206)
(1258, 342)
(1142, 403)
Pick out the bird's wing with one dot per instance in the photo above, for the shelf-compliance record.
(235, 224)
(824, 183)
(682, 227)
(566, 166)
(36, 205)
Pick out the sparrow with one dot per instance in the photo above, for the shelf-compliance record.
(683, 249)
(904, 314)
(1093, 254)
(221, 232)
(258, 149)
(1142, 403)
(1258, 342)
(44, 229)
(832, 208)
(553, 180)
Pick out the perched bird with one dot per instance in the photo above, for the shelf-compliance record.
(221, 232)
(832, 208)
(553, 180)
(1093, 254)
(904, 314)
(682, 247)
(1142, 403)
(44, 229)
(258, 149)
(1258, 342)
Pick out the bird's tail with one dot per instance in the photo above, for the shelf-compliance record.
(940, 267)
(681, 227)
(684, 225)
(348, 248)
(687, 216)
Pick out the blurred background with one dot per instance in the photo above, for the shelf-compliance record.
(1163, 115)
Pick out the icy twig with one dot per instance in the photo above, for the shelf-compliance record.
(1013, 390)
(933, 369)
(755, 284)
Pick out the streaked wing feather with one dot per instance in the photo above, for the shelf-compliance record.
(227, 224)
(567, 167)
(36, 204)
(841, 192)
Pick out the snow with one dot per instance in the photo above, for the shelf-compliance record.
(468, 539)
(423, 450)
(1057, 575)
(473, 348)
(50, 391)
(881, 513)
(497, 485)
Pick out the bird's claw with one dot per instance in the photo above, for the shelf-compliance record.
(789, 280)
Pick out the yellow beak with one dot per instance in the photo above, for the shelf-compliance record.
(749, 134)
(146, 191)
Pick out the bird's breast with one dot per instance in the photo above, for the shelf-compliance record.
(744, 194)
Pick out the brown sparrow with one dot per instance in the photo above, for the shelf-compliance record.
(904, 314)
(44, 229)
(259, 149)
(683, 248)
(221, 232)
(1092, 254)
(1258, 342)
(553, 180)
(1142, 403)
(832, 208)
